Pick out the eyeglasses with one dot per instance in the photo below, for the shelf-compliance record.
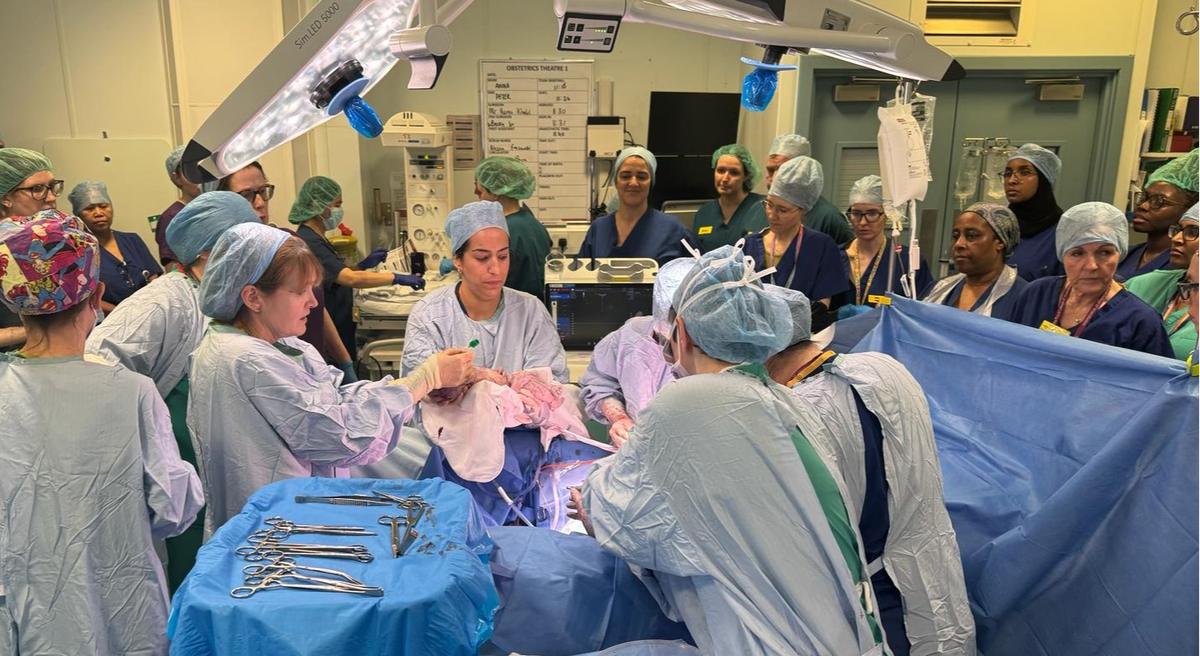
(871, 216)
(778, 209)
(1154, 202)
(1190, 232)
(665, 342)
(40, 191)
(265, 193)
(1186, 289)
(1020, 174)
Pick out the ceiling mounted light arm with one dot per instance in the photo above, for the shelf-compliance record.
(426, 47)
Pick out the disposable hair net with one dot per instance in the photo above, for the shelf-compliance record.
(637, 151)
(1045, 160)
(471, 218)
(1181, 172)
(16, 164)
(316, 194)
(174, 159)
(800, 309)
(88, 193)
(1091, 222)
(1192, 215)
(200, 223)
(506, 176)
(1004, 223)
(240, 258)
(665, 283)
(791, 145)
(867, 191)
(753, 174)
(728, 313)
(799, 181)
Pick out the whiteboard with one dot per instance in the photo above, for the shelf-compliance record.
(536, 111)
(134, 171)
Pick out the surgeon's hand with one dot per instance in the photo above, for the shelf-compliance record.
(618, 432)
(453, 367)
(416, 282)
(575, 510)
(373, 259)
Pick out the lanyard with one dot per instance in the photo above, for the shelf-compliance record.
(1179, 323)
(861, 293)
(1062, 304)
(809, 367)
(795, 264)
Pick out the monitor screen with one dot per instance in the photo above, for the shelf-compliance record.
(692, 123)
(584, 313)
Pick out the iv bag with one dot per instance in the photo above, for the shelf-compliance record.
(922, 111)
(993, 170)
(903, 162)
(967, 184)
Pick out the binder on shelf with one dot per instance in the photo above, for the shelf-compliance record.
(1164, 114)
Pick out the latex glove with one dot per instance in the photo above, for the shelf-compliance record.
(416, 282)
(351, 376)
(619, 422)
(373, 259)
(575, 510)
(448, 368)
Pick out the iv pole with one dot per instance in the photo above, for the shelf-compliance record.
(907, 88)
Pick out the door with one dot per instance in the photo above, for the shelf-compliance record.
(992, 101)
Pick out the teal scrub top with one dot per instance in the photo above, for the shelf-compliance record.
(826, 218)
(1157, 288)
(711, 230)
(528, 246)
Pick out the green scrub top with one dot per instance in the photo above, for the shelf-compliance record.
(181, 549)
(1157, 288)
(712, 231)
(826, 218)
(528, 246)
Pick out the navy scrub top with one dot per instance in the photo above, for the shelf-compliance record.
(820, 272)
(656, 235)
(122, 279)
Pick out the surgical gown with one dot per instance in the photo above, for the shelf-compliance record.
(1157, 289)
(920, 554)
(628, 364)
(154, 333)
(1129, 266)
(712, 231)
(519, 336)
(817, 272)
(89, 477)
(261, 413)
(998, 300)
(1036, 257)
(656, 236)
(528, 246)
(1125, 320)
(712, 494)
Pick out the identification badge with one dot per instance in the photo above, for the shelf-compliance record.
(1051, 327)
(704, 230)
(879, 299)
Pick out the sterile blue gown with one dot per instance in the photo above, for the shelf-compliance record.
(628, 363)
(1125, 320)
(819, 274)
(89, 477)
(716, 492)
(656, 236)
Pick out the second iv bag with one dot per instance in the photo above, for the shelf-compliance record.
(968, 172)
(993, 169)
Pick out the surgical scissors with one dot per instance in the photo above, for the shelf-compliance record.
(287, 564)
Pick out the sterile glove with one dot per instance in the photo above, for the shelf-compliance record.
(416, 282)
(575, 510)
(619, 422)
(373, 259)
(447, 368)
(351, 376)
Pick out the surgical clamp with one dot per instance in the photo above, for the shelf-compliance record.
(345, 500)
(317, 584)
(287, 564)
(395, 520)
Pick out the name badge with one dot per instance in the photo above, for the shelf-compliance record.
(879, 299)
(704, 230)
(1051, 327)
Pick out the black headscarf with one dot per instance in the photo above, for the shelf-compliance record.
(1041, 212)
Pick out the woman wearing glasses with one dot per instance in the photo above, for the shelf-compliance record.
(126, 265)
(1091, 239)
(249, 182)
(983, 236)
(805, 260)
(1169, 192)
(866, 260)
(1029, 179)
(27, 186)
(1169, 291)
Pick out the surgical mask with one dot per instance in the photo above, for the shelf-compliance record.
(677, 371)
(334, 218)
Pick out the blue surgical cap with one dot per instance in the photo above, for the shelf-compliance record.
(638, 151)
(1004, 223)
(1192, 215)
(867, 191)
(469, 219)
(800, 309)
(174, 159)
(799, 181)
(728, 313)
(240, 258)
(85, 194)
(196, 228)
(16, 164)
(791, 145)
(1044, 160)
(665, 283)
(1092, 222)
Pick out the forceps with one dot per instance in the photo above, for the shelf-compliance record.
(287, 564)
(322, 585)
(272, 550)
(345, 500)
(281, 528)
